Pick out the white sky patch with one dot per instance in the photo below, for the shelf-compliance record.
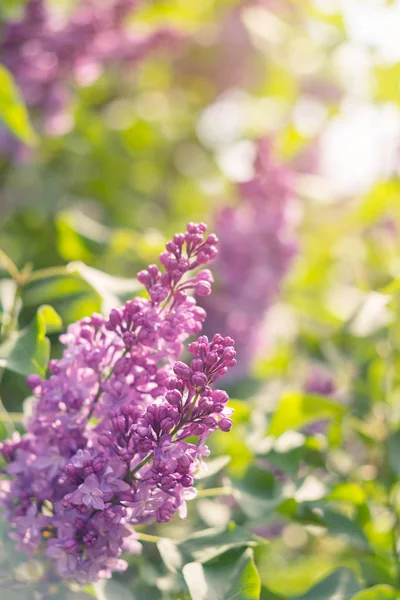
(358, 147)
(236, 161)
(374, 23)
(223, 122)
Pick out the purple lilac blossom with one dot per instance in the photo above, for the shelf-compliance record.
(319, 381)
(256, 249)
(46, 54)
(106, 445)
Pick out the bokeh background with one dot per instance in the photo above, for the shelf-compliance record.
(276, 122)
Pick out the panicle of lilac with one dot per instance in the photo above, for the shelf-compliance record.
(105, 447)
(256, 248)
(46, 54)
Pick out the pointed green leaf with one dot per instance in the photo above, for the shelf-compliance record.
(266, 594)
(170, 554)
(111, 590)
(348, 492)
(28, 351)
(295, 410)
(231, 576)
(378, 592)
(258, 493)
(340, 585)
(109, 288)
(12, 109)
(205, 545)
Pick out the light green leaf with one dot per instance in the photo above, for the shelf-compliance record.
(378, 592)
(28, 351)
(372, 315)
(233, 575)
(205, 545)
(111, 590)
(339, 585)
(288, 458)
(387, 82)
(51, 318)
(376, 570)
(348, 492)
(170, 554)
(214, 466)
(266, 594)
(295, 410)
(12, 9)
(12, 109)
(394, 452)
(109, 288)
(341, 525)
(257, 493)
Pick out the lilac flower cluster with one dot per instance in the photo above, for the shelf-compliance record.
(106, 445)
(45, 53)
(256, 249)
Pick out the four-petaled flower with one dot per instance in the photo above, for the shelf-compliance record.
(89, 493)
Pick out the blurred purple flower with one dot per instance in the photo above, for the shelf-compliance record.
(321, 382)
(257, 247)
(47, 54)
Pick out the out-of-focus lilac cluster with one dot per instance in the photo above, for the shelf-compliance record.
(47, 54)
(257, 245)
(105, 445)
(319, 381)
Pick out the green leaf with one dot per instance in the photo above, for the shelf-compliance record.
(111, 590)
(12, 110)
(170, 554)
(339, 524)
(372, 315)
(339, 585)
(378, 592)
(387, 83)
(348, 492)
(209, 543)
(109, 288)
(376, 570)
(257, 493)
(295, 410)
(12, 9)
(88, 589)
(7, 295)
(287, 453)
(394, 452)
(232, 576)
(3, 429)
(266, 594)
(28, 351)
(51, 318)
(214, 466)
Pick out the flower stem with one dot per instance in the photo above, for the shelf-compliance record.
(181, 423)
(145, 537)
(143, 462)
(217, 491)
(100, 390)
